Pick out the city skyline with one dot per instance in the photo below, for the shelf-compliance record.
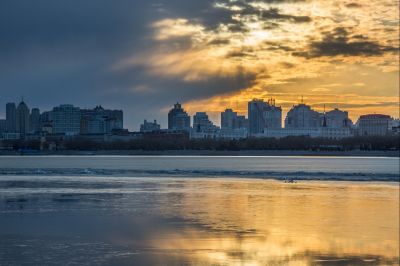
(270, 103)
(143, 56)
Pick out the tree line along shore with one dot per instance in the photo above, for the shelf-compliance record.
(262, 146)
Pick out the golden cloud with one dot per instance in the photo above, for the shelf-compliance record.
(278, 42)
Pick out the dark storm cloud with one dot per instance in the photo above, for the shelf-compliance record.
(245, 8)
(339, 42)
(355, 105)
(274, 13)
(219, 42)
(54, 52)
(237, 27)
(163, 93)
(359, 36)
(200, 11)
(353, 5)
(275, 46)
(287, 65)
(70, 24)
(243, 52)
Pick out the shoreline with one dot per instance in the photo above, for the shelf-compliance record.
(237, 178)
(356, 153)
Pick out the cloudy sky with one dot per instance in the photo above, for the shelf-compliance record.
(143, 55)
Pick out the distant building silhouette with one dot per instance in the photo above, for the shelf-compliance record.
(46, 122)
(149, 126)
(302, 116)
(273, 115)
(178, 119)
(11, 117)
(265, 121)
(34, 121)
(3, 125)
(374, 125)
(228, 119)
(22, 119)
(263, 115)
(231, 120)
(100, 120)
(66, 119)
(337, 119)
(201, 122)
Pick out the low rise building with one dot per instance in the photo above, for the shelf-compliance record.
(286, 132)
(149, 126)
(10, 136)
(236, 133)
(314, 132)
(394, 126)
(336, 133)
(374, 125)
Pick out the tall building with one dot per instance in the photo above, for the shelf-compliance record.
(100, 120)
(228, 119)
(241, 122)
(46, 122)
(149, 126)
(302, 116)
(178, 119)
(46, 117)
(66, 119)
(3, 125)
(22, 119)
(201, 123)
(34, 121)
(263, 115)
(256, 116)
(231, 120)
(11, 117)
(337, 119)
(273, 115)
(374, 125)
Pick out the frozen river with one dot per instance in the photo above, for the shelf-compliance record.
(194, 210)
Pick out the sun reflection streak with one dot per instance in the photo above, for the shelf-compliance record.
(264, 222)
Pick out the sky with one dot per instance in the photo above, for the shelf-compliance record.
(142, 56)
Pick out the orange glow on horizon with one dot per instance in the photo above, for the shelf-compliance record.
(332, 52)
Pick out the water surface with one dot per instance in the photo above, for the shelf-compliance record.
(299, 167)
(86, 219)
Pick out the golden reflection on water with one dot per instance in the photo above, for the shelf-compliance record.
(253, 222)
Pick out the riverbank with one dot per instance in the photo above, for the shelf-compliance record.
(356, 153)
